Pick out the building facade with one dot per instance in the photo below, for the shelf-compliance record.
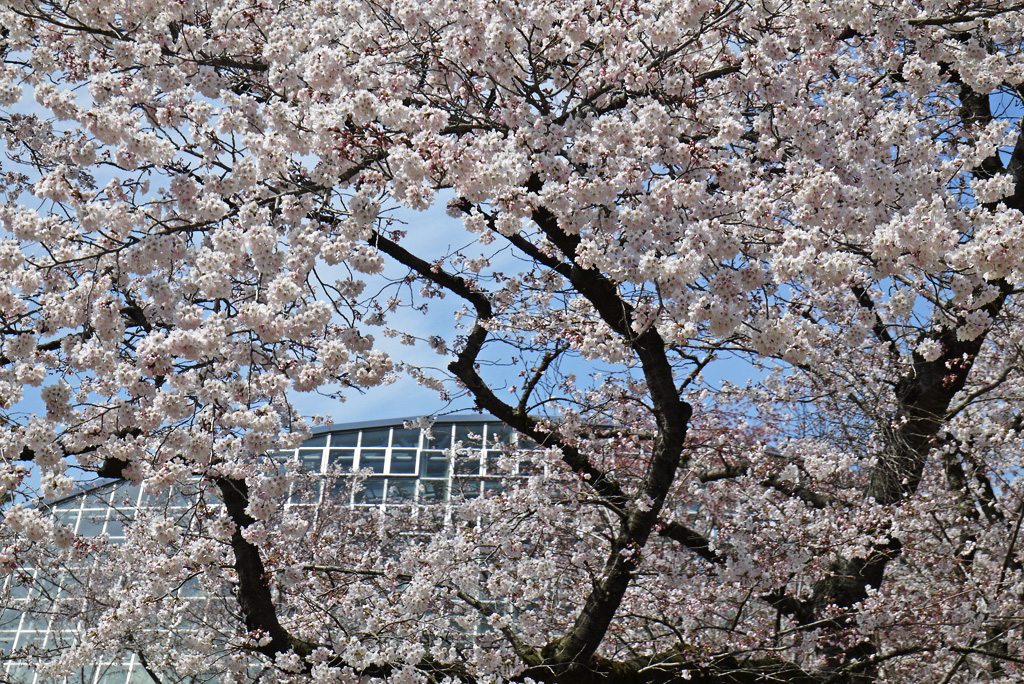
(456, 459)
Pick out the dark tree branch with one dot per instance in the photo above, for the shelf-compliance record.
(690, 539)
(878, 328)
(254, 597)
(798, 491)
(538, 373)
(923, 396)
(966, 17)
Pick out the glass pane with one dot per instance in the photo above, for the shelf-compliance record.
(7, 640)
(316, 441)
(115, 528)
(433, 490)
(68, 608)
(191, 587)
(91, 523)
(530, 468)
(310, 460)
(35, 622)
(113, 674)
(281, 458)
(467, 489)
(9, 618)
(491, 466)
(372, 492)
(20, 674)
(62, 639)
(183, 497)
(491, 486)
(438, 438)
(305, 492)
(83, 675)
(403, 461)
(345, 439)
(154, 497)
(299, 493)
(469, 435)
(304, 511)
(433, 464)
(401, 489)
(377, 437)
(340, 491)
(26, 638)
(373, 459)
(72, 504)
(498, 433)
(50, 586)
(140, 676)
(405, 438)
(467, 466)
(98, 499)
(126, 514)
(341, 458)
(69, 518)
(127, 495)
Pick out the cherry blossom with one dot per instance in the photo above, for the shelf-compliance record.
(744, 276)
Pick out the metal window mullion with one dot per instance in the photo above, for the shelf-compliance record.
(387, 454)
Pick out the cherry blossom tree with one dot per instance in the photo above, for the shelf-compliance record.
(649, 200)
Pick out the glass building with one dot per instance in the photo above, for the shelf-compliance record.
(458, 458)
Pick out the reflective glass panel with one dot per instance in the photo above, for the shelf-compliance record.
(9, 618)
(310, 460)
(440, 437)
(376, 437)
(26, 638)
(69, 518)
(403, 461)
(498, 433)
(35, 622)
(372, 491)
(433, 464)
(467, 466)
(191, 587)
(405, 438)
(469, 435)
(401, 489)
(181, 497)
(113, 674)
(345, 439)
(340, 490)
(154, 497)
(97, 499)
(466, 488)
(373, 459)
(530, 468)
(140, 676)
(316, 441)
(91, 523)
(127, 495)
(20, 674)
(342, 458)
(433, 490)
